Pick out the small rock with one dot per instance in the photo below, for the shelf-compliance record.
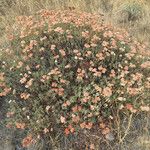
(109, 136)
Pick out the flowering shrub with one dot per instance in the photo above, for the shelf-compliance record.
(71, 71)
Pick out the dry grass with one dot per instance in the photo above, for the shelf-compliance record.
(135, 17)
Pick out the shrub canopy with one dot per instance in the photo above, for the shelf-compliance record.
(69, 70)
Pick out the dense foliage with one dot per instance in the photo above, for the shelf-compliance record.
(69, 70)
